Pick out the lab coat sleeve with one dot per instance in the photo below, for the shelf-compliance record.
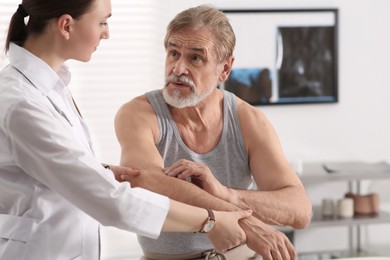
(44, 148)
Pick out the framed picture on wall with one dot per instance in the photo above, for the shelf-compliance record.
(284, 56)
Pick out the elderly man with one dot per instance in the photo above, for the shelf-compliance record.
(202, 135)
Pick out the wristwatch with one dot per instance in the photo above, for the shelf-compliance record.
(209, 224)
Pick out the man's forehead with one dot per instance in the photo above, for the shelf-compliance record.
(192, 39)
(190, 43)
(188, 46)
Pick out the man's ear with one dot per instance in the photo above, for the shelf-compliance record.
(65, 25)
(227, 68)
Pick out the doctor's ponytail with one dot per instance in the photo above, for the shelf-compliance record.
(32, 17)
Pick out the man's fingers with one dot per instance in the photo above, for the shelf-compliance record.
(284, 251)
(284, 254)
(276, 255)
(291, 250)
(267, 256)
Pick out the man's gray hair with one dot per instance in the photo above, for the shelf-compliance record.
(210, 17)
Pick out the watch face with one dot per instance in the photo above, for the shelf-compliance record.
(209, 225)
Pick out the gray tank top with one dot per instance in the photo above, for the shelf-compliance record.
(228, 161)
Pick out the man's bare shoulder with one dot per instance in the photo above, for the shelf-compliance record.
(254, 123)
(136, 107)
(135, 104)
(137, 112)
(248, 113)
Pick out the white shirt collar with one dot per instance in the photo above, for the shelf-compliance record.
(36, 70)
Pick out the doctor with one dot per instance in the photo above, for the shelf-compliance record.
(54, 193)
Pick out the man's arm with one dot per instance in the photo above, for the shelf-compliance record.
(136, 135)
(280, 198)
(137, 131)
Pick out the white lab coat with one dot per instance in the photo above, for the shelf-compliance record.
(53, 191)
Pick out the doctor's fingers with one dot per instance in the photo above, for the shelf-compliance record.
(124, 173)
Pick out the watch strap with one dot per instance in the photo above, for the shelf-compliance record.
(211, 214)
(210, 217)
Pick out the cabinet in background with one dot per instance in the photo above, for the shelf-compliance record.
(353, 173)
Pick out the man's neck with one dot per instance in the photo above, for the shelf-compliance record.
(204, 113)
(201, 126)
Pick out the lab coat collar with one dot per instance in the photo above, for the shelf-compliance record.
(41, 75)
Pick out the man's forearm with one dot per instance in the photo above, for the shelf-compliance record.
(180, 190)
(266, 206)
(286, 207)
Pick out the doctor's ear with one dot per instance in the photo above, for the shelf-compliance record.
(65, 25)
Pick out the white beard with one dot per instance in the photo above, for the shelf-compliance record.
(176, 100)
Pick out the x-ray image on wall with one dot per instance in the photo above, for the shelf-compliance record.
(289, 56)
(306, 61)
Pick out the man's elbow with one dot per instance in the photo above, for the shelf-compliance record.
(303, 218)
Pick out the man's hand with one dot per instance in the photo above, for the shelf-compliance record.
(227, 232)
(124, 173)
(267, 241)
(200, 175)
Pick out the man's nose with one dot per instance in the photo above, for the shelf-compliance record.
(180, 67)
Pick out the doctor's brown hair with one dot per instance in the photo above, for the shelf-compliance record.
(39, 12)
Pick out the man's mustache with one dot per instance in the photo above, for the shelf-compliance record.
(180, 80)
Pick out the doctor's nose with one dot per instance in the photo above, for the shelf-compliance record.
(106, 33)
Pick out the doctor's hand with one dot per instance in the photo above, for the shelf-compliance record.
(227, 232)
(124, 173)
(266, 240)
(200, 175)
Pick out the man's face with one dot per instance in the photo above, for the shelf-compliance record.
(191, 68)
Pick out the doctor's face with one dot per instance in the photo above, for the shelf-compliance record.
(89, 29)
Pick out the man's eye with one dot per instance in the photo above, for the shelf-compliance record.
(173, 53)
(196, 58)
(105, 24)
